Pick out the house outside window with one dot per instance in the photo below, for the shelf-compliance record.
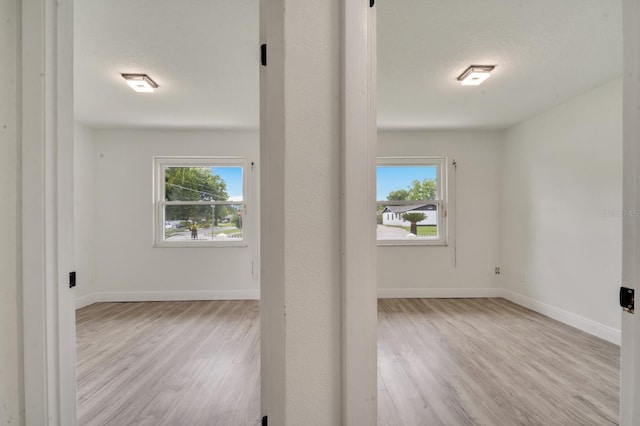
(411, 201)
(201, 202)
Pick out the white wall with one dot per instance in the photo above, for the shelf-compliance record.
(301, 354)
(426, 271)
(127, 266)
(561, 252)
(630, 344)
(11, 381)
(84, 200)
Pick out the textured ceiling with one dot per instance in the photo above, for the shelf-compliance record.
(204, 55)
(545, 52)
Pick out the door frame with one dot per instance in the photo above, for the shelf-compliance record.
(359, 274)
(48, 304)
(47, 212)
(630, 341)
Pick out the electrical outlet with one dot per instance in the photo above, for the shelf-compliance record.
(523, 277)
(497, 270)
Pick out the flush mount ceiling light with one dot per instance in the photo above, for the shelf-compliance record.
(140, 82)
(475, 75)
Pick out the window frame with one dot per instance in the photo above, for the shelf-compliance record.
(159, 202)
(441, 189)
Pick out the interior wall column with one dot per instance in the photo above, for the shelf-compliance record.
(300, 154)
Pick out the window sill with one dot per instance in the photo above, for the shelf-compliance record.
(413, 243)
(239, 244)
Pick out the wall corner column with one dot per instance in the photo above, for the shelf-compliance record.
(359, 287)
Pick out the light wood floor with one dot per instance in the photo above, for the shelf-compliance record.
(450, 362)
(489, 362)
(169, 363)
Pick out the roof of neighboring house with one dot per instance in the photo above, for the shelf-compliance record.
(404, 209)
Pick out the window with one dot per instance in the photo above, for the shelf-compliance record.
(200, 202)
(411, 206)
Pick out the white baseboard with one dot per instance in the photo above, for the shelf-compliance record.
(87, 300)
(166, 296)
(437, 293)
(602, 331)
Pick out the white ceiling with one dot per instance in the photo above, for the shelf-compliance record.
(546, 52)
(202, 53)
(205, 59)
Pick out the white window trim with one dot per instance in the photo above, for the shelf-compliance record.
(441, 179)
(159, 163)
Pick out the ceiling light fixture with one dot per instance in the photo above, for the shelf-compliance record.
(140, 82)
(475, 75)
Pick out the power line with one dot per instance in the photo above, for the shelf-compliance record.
(195, 190)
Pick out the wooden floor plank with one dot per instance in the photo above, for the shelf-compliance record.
(441, 362)
(490, 362)
(168, 363)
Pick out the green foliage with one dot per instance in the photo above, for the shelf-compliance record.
(400, 194)
(413, 217)
(220, 213)
(194, 184)
(425, 190)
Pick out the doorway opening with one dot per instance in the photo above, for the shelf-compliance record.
(167, 211)
(525, 154)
